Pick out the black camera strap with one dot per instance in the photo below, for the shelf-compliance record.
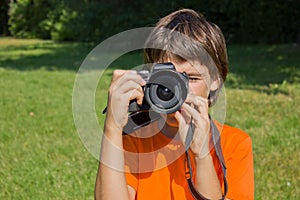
(217, 145)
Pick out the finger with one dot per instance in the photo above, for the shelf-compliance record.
(121, 77)
(183, 126)
(197, 118)
(194, 114)
(131, 90)
(129, 87)
(192, 98)
(118, 73)
(199, 103)
(137, 94)
(132, 75)
(126, 84)
(185, 114)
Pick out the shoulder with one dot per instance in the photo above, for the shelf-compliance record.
(237, 151)
(230, 132)
(234, 140)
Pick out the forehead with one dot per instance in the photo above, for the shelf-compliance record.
(190, 67)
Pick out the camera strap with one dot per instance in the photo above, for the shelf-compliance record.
(217, 145)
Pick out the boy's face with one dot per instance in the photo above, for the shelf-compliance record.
(200, 82)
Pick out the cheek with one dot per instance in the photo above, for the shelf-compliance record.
(199, 89)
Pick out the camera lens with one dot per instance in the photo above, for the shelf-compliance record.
(164, 93)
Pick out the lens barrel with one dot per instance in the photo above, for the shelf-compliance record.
(166, 90)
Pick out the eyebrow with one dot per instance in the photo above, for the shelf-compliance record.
(195, 74)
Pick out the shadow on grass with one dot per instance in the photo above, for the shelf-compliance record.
(263, 67)
(44, 55)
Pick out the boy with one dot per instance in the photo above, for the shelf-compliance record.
(154, 165)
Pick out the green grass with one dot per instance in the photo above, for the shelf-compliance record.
(42, 156)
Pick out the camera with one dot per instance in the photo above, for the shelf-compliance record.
(165, 90)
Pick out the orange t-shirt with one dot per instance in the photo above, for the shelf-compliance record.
(156, 168)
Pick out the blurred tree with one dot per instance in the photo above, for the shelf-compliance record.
(4, 7)
(248, 21)
(27, 18)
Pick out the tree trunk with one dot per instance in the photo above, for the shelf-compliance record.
(4, 7)
(298, 37)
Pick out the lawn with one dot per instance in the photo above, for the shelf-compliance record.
(42, 156)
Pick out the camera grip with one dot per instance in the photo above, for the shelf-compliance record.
(137, 120)
(133, 106)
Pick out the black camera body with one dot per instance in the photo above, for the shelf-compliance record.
(165, 90)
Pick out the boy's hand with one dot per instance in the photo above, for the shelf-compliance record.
(125, 86)
(195, 110)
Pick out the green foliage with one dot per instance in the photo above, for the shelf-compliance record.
(269, 21)
(94, 20)
(27, 18)
(63, 28)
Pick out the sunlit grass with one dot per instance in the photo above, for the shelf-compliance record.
(42, 156)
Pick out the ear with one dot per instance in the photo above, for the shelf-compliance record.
(215, 84)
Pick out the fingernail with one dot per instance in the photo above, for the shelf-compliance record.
(143, 82)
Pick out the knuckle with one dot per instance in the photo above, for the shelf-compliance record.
(118, 72)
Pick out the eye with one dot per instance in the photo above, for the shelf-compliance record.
(195, 78)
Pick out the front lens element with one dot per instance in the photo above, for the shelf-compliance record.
(164, 93)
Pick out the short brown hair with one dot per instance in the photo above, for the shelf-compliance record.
(194, 26)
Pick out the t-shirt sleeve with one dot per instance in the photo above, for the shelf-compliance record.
(240, 171)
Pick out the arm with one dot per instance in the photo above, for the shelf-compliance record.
(111, 178)
(240, 172)
(195, 110)
(111, 183)
(207, 182)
